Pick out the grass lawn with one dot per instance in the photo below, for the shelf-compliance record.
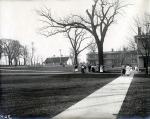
(137, 101)
(47, 95)
(36, 68)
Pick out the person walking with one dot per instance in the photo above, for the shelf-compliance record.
(83, 67)
(89, 67)
(123, 71)
(76, 68)
(127, 70)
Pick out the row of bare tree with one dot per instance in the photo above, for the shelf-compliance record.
(14, 51)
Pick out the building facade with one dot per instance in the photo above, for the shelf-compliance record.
(56, 61)
(114, 58)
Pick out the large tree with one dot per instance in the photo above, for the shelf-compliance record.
(25, 54)
(7, 49)
(12, 49)
(96, 21)
(17, 51)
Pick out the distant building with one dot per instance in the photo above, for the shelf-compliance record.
(114, 58)
(56, 61)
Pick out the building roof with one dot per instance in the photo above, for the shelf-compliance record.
(56, 60)
(115, 52)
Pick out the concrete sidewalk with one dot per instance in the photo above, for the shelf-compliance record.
(104, 103)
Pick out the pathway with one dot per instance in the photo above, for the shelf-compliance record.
(104, 103)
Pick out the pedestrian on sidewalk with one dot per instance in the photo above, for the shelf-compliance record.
(123, 70)
(127, 70)
(89, 67)
(83, 67)
(76, 68)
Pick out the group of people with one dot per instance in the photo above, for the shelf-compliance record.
(90, 68)
(126, 70)
(84, 68)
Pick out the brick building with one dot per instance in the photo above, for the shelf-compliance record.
(114, 58)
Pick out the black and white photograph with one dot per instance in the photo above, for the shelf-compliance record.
(74, 59)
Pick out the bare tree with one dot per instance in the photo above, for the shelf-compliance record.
(76, 38)
(144, 49)
(142, 39)
(7, 49)
(16, 47)
(97, 22)
(93, 47)
(25, 54)
(131, 44)
(12, 49)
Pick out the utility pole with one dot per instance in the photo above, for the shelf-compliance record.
(60, 56)
(32, 53)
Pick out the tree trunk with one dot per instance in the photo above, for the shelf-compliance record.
(19, 62)
(76, 59)
(100, 55)
(16, 61)
(25, 61)
(9, 61)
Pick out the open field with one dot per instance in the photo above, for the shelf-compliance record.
(28, 92)
(47, 95)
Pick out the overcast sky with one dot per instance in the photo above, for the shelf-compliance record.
(19, 21)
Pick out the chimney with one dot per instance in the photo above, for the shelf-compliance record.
(139, 30)
(112, 50)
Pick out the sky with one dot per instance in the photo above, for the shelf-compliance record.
(20, 21)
